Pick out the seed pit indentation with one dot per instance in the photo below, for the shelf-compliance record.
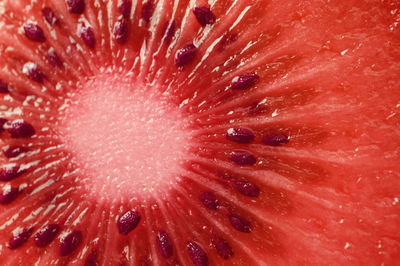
(70, 243)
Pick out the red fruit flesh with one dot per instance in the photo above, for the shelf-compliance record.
(149, 133)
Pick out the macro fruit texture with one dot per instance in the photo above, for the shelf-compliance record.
(199, 133)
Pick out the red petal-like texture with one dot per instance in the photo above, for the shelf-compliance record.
(157, 132)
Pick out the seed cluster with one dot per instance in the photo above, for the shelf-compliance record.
(131, 219)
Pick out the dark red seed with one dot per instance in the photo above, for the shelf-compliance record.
(204, 15)
(50, 16)
(31, 70)
(164, 244)
(9, 195)
(239, 223)
(242, 158)
(121, 31)
(70, 243)
(275, 139)
(34, 32)
(185, 55)
(3, 121)
(53, 58)
(197, 254)
(91, 260)
(169, 30)
(9, 172)
(19, 238)
(147, 11)
(124, 8)
(76, 6)
(240, 135)
(247, 188)
(46, 235)
(4, 87)
(245, 81)
(20, 129)
(128, 221)
(223, 248)
(87, 35)
(209, 200)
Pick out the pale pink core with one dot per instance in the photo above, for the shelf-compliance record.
(126, 139)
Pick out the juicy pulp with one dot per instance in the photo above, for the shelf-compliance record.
(324, 74)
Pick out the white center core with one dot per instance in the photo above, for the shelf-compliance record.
(125, 139)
